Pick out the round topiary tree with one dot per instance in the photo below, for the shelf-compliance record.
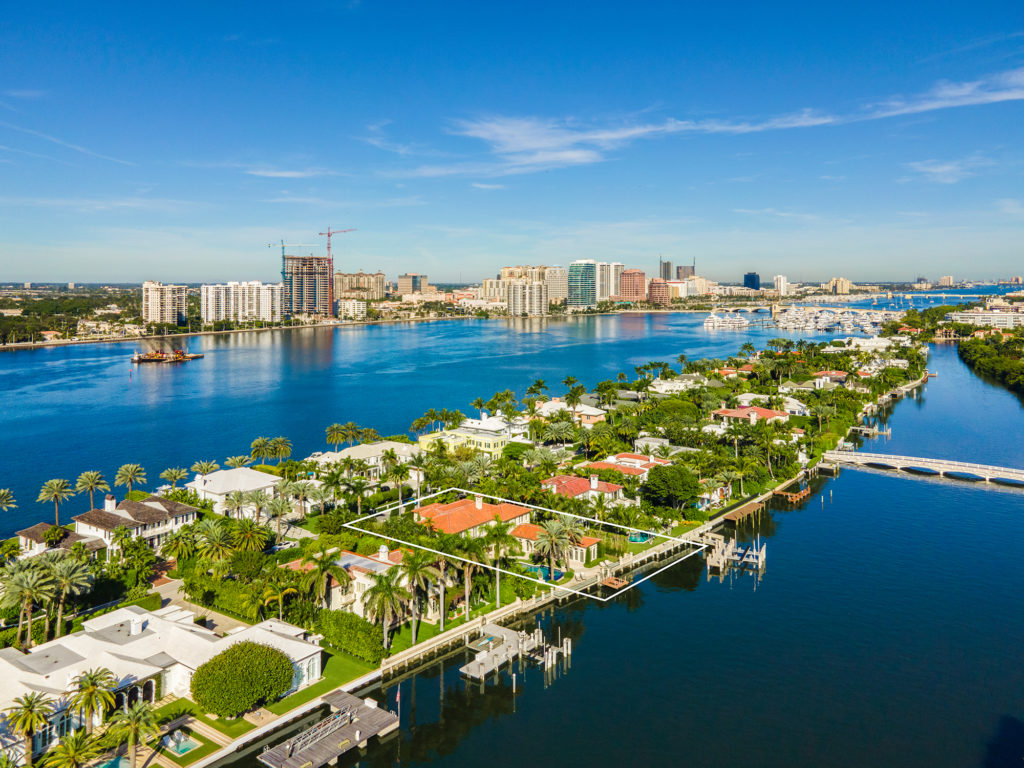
(241, 678)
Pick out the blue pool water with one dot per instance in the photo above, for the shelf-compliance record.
(544, 572)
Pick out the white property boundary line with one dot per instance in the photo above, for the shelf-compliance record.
(698, 546)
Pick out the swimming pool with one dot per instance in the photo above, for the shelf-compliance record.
(116, 762)
(543, 572)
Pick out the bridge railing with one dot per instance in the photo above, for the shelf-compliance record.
(989, 469)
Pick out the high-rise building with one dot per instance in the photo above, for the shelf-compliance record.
(946, 281)
(685, 271)
(493, 288)
(241, 302)
(308, 286)
(526, 299)
(657, 292)
(582, 284)
(633, 285)
(164, 303)
(781, 285)
(608, 277)
(413, 283)
(838, 286)
(557, 281)
(664, 269)
(359, 285)
(752, 280)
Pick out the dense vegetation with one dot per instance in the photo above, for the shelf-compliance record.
(245, 676)
(997, 358)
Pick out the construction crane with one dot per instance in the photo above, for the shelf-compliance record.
(290, 245)
(330, 232)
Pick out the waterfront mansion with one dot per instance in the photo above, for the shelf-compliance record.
(152, 654)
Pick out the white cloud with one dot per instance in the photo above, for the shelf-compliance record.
(530, 144)
(26, 94)
(1011, 207)
(776, 213)
(99, 204)
(62, 143)
(277, 173)
(478, 185)
(949, 171)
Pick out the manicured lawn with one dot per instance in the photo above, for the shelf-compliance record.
(206, 747)
(688, 525)
(175, 709)
(339, 669)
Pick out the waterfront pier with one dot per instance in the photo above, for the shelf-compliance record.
(499, 645)
(351, 724)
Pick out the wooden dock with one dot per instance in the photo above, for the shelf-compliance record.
(613, 582)
(741, 513)
(797, 497)
(351, 724)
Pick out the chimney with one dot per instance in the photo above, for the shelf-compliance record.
(483, 415)
(382, 552)
(479, 500)
(593, 482)
(135, 626)
(109, 503)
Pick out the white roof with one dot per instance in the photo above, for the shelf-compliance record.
(133, 644)
(367, 451)
(223, 481)
(553, 406)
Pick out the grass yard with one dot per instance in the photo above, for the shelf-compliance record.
(206, 747)
(178, 707)
(339, 669)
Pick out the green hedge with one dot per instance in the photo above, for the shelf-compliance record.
(352, 634)
(243, 677)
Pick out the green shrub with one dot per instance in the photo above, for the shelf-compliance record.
(149, 601)
(352, 634)
(243, 677)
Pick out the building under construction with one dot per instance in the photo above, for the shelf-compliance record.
(308, 285)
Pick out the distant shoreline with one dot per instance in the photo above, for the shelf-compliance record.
(22, 346)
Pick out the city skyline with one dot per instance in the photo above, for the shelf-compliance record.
(175, 149)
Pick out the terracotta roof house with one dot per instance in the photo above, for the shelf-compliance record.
(471, 517)
(752, 414)
(577, 554)
(590, 489)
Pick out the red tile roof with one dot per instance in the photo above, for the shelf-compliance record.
(623, 468)
(841, 374)
(463, 515)
(531, 531)
(568, 485)
(641, 457)
(744, 413)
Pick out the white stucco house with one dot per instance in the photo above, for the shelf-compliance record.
(152, 520)
(152, 654)
(217, 485)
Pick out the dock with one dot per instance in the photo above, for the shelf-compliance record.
(499, 645)
(351, 724)
(871, 431)
(795, 497)
(723, 553)
(613, 582)
(741, 513)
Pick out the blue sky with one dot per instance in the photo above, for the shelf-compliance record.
(175, 141)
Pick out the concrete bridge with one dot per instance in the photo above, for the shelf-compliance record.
(942, 467)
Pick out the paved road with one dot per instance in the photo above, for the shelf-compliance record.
(170, 594)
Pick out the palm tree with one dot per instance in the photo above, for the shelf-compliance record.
(335, 435)
(320, 495)
(75, 750)
(249, 536)
(277, 508)
(120, 537)
(569, 382)
(324, 571)
(89, 482)
(6, 500)
(70, 578)
(472, 550)
(419, 572)
(559, 431)
(136, 724)
(205, 467)
(234, 503)
(174, 475)
(552, 542)
(398, 473)
(36, 588)
(257, 500)
(501, 542)
(280, 448)
(214, 540)
(179, 545)
(29, 713)
(238, 461)
(351, 431)
(58, 491)
(93, 694)
(276, 592)
(385, 600)
(301, 491)
(130, 475)
(260, 449)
